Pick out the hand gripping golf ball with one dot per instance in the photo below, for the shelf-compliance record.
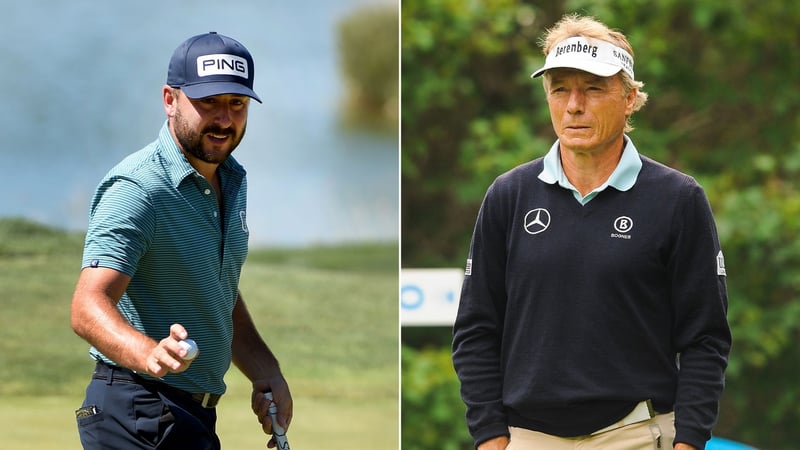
(191, 349)
(277, 431)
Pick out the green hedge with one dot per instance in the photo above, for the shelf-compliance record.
(432, 411)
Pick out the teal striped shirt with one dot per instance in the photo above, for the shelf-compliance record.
(156, 219)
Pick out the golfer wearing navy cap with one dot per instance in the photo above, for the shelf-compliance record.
(593, 310)
(164, 249)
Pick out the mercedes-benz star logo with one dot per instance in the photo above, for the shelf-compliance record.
(537, 220)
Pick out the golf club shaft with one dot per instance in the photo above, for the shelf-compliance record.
(277, 431)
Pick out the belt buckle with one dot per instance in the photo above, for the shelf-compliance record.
(206, 399)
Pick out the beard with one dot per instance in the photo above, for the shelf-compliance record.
(191, 140)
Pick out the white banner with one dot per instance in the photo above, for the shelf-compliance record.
(429, 296)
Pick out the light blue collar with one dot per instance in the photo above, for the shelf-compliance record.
(622, 179)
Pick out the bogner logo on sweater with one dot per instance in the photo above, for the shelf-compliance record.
(623, 225)
(537, 220)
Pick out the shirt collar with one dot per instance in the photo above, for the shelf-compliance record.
(622, 178)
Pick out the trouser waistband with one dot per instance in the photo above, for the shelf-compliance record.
(643, 411)
(111, 373)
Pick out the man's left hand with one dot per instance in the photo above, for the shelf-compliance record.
(282, 398)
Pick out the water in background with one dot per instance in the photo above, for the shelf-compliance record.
(82, 89)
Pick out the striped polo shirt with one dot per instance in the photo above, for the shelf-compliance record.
(156, 219)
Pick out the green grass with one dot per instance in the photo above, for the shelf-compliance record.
(329, 314)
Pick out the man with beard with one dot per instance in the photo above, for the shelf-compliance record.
(166, 241)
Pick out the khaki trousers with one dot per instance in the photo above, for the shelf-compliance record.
(654, 434)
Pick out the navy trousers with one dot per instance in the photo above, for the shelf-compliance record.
(124, 411)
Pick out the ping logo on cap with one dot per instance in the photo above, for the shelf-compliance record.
(222, 64)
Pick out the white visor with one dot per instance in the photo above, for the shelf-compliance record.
(590, 55)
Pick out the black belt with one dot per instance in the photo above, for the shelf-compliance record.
(102, 372)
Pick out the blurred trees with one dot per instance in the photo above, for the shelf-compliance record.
(723, 84)
(432, 413)
(368, 46)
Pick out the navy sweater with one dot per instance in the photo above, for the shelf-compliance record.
(570, 315)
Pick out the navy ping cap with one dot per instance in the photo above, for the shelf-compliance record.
(212, 64)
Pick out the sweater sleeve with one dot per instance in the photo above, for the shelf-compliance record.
(700, 329)
(477, 331)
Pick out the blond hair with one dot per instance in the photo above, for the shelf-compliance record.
(572, 25)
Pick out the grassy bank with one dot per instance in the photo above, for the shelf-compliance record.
(329, 313)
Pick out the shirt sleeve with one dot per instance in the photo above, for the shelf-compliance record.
(702, 335)
(121, 225)
(477, 331)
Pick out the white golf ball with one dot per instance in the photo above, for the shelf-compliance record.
(191, 349)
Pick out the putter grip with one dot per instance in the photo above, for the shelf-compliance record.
(277, 431)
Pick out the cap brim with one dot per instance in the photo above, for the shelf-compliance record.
(597, 68)
(202, 90)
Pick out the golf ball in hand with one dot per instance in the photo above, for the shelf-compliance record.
(191, 349)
